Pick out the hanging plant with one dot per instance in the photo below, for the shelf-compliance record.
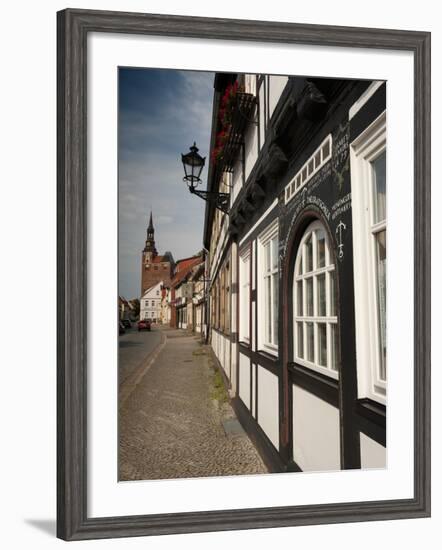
(225, 114)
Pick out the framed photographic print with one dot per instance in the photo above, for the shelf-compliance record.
(233, 351)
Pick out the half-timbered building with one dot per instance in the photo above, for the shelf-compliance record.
(297, 266)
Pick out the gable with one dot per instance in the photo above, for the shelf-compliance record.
(152, 291)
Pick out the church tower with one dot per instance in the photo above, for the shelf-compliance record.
(149, 249)
(154, 268)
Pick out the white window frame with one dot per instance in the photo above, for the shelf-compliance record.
(368, 146)
(328, 319)
(263, 240)
(310, 167)
(245, 257)
(250, 83)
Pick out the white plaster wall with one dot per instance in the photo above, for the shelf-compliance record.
(253, 397)
(373, 455)
(236, 179)
(316, 439)
(251, 148)
(244, 379)
(268, 404)
(151, 295)
(261, 114)
(223, 352)
(227, 366)
(276, 87)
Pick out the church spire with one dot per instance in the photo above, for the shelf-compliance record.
(150, 241)
(150, 229)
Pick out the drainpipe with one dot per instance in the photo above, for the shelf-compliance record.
(206, 299)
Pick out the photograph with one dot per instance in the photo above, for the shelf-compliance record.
(252, 270)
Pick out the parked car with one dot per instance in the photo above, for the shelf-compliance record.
(121, 329)
(143, 324)
(126, 323)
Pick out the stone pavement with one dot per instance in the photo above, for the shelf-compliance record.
(177, 422)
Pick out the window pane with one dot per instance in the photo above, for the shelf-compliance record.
(267, 256)
(300, 340)
(320, 248)
(300, 263)
(269, 308)
(322, 344)
(275, 253)
(299, 299)
(334, 346)
(309, 255)
(379, 177)
(317, 159)
(381, 280)
(331, 275)
(326, 150)
(309, 302)
(310, 342)
(320, 285)
(275, 308)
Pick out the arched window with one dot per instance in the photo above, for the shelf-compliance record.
(315, 317)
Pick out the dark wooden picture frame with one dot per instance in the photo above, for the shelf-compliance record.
(73, 28)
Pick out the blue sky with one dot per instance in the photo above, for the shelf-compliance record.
(161, 113)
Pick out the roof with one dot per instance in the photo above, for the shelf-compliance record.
(198, 270)
(185, 268)
(186, 262)
(163, 258)
(122, 300)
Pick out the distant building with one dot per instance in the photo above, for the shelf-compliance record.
(134, 304)
(165, 305)
(196, 306)
(182, 293)
(124, 308)
(154, 267)
(150, 303)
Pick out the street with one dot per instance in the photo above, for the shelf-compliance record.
(175, 419)
(134, 349)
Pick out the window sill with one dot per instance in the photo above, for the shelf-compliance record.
(372, 410)
(322, 371)
(270, 354)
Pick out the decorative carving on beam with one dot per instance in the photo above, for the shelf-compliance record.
(239, 218)
(248, 205)
(312, 104)
(258, 189)
(275, 161)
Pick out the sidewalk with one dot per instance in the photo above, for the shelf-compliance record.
(177, 421)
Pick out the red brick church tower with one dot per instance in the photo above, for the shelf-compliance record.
(154, 268)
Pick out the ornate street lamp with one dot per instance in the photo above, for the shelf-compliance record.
(193, 164)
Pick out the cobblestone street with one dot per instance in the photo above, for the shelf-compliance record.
(175, 420)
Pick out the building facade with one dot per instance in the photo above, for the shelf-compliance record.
(150, 303)
(181, 292)
(297, 267)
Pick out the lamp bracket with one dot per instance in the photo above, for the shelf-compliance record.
(219, 200)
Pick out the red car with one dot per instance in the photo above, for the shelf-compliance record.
(143, 324)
